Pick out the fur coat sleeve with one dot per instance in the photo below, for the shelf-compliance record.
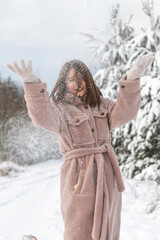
(41, 110)
(127, 104)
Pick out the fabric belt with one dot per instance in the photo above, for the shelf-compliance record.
(99, 229)
(106, 147)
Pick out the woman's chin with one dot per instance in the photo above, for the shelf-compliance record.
(79, 94)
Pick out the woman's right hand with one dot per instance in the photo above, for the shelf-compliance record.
(25, 73)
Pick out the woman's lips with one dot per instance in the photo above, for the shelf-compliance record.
(80, 89)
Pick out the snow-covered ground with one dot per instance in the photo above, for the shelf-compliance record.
(30, 204)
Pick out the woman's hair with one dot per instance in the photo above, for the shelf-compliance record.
(60, 89)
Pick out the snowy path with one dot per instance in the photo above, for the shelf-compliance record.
(30, 204)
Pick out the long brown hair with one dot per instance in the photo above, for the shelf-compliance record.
(92, 94)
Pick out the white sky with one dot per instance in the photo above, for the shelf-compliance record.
(48, 31)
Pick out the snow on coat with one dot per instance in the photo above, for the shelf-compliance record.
(91, 183)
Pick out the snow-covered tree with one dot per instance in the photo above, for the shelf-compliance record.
(144, 158)
(25, 144)
(20, 141)
(113, 54)
(136, 143)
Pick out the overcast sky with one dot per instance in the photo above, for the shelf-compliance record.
(48, 31)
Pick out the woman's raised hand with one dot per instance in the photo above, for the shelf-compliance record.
(140, 66)
(25, 73)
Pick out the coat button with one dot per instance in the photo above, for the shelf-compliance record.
(122, 86)
(77, 120)
(92, 130)
(102, 113)
(86, 107)
(42, 90)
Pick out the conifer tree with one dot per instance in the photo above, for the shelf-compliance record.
(136, 143)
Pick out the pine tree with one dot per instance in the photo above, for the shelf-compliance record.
(145, 154)
(112, 54)
(20, 141)
(136, 144)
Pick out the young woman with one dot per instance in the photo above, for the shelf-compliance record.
(91, 184)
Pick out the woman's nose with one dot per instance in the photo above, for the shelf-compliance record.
(75, 85)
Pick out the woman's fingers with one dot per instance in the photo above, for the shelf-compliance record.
(10, 67)
(139, 60)
(30, 65)
(149, 60)
(23, 64)
(17, 69)
(145, 60)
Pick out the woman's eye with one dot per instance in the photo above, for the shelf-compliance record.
(70, 80)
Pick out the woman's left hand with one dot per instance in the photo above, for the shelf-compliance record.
(141, 65)
(25, 72)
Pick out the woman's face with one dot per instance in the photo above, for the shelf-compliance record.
(71, 83)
